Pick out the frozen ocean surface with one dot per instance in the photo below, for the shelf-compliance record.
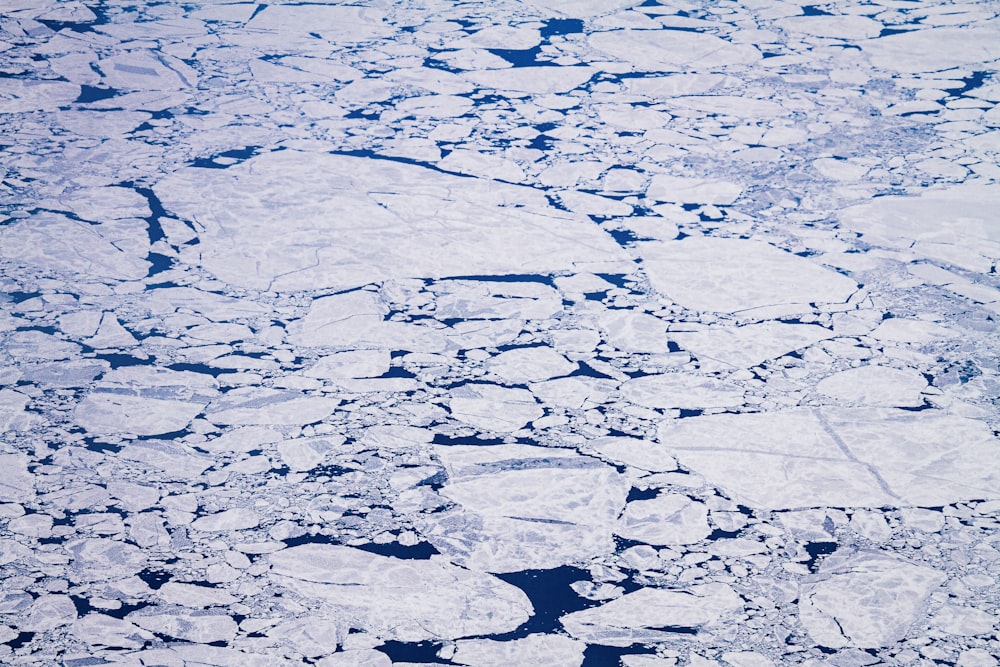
(571, 333)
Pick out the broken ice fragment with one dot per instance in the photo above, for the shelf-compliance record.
(654, 614)
(875, 386)
(669, 518)
(525, 507)
(866, 600)
(237, 518)
(682, 390)
(389, 597)
(494, 408)
(731, 275)
(839, 457)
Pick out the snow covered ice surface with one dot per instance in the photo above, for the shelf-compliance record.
(521, 332)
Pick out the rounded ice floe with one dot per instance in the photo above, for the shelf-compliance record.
(839, 457)
(847, 605)
(682, 390)
(397, 599)
(875, 386)
(731, 275)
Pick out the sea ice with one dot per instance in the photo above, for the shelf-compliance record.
(389, 598)
(875, 386)
(839, 457)
(865, 600)
(650, 614)
(669, 518)
(730, 275)
(477, 227)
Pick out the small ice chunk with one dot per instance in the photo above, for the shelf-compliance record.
(388, 597)
(237, 518)
(865, 600)
(648, 614)
(682, 390)
(669, 518)
(875, 386)
(530, 364)
(534, 649)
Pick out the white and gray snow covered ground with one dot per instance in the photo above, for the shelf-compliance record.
(513, 332)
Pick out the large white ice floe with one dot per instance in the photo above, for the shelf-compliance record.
(491, 407)
(400, 599)
(648, 50)
(534, 649)
(669, 518)
(54, 242)
(654, 614)
(935, 49)
(839, 457)
(523, 507)
(346, 221)
(748, 345)
(144, 400)
(961, 216)
(865, 599)
(875, 386)
(730, 275)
